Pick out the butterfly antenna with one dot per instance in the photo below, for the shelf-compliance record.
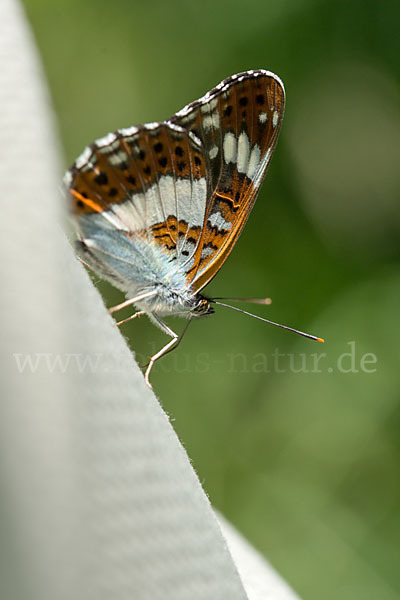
(306, 335)
(263, 301)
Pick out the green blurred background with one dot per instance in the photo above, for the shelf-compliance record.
(303, 460)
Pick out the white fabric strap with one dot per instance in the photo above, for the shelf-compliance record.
(98, 496)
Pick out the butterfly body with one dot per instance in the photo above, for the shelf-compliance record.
(140, 268)
(159, 207)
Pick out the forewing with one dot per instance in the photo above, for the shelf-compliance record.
(238, 124)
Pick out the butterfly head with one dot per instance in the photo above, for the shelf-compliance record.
(202, 307)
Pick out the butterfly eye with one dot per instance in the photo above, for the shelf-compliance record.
(203, 307)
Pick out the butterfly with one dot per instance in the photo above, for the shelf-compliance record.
(159, 207)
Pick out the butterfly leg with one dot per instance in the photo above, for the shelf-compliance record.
(130, 301)
(174, 343)
(137, 314)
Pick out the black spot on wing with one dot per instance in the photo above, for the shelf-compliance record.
(101, 178)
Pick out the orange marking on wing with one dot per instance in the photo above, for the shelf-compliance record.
(225, 196)
(162, 232)
(167, 233)
(88, 202)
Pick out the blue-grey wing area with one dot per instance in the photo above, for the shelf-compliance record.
(131, 265)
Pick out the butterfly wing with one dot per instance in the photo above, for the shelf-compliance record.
(238, 124)
(138, 195)
(174, 196)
